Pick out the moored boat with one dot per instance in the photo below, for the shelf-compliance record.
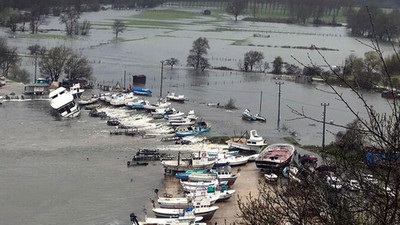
(200, 127)
(254, 142)
(185, 202)
(175, 97)
(141, 91)
(195, 162)
(63, 102)
(76, 90)
(246, 115)
(275, 156)
(206, 211)
(92, 100)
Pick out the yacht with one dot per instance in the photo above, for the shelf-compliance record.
(63, 102)
(76, 90)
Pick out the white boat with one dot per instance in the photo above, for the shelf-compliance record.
(202, 176)
(271, 177)
(174, 116)
(103, 96)
(253, 143)
(187, 218)
(159, 105)
(175, 97)
(63, 102)
(253, 157)
(76, 90)
(183, 122)
(199, 184)
(185, 202)
(129, 97)
(88, 101)
(235, 160)
(160, 113)
(225, 175)
(222, 195)
(206, 211)
(118, 100)
(195, 162)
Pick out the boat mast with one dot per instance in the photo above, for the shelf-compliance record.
(260, 103)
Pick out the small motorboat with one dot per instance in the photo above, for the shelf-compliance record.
(260, 118)
(198, 128)
(271, 177)
(76, 90)
(246, 115)
(113, 122)
(175, 97)
(141, 91)
(92, 100)
(136, 163)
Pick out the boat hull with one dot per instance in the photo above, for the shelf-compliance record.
(245, 147)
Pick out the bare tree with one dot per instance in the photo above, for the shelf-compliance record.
(8, 57)
(196, 57)
(251, 58)
(78, 66)
(70, 18)
(118, 27)
(236, 7)
(53, 63)
(172, 62)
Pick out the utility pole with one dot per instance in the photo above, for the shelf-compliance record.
(124, 78)
(279, 103)
(162, 68)
(35, 66)
(323, 126)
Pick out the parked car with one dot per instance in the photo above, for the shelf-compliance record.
(308, 159)
(353, 185)
(369, 178)
(334, 182)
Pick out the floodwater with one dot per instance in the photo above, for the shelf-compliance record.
(71, 171)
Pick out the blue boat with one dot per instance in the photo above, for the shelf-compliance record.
(141, 91)
(198, 128)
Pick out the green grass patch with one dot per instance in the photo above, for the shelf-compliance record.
(48, 36)
(166, 15)
(163, 35)
(141, 23)
(291, 140)
(218, 139)
(239, 42)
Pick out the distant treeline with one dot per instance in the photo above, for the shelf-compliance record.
(386, 25)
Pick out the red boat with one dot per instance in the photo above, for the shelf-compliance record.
(275, 156)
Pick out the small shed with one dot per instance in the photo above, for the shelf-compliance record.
(37, 89)
(138, 79)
